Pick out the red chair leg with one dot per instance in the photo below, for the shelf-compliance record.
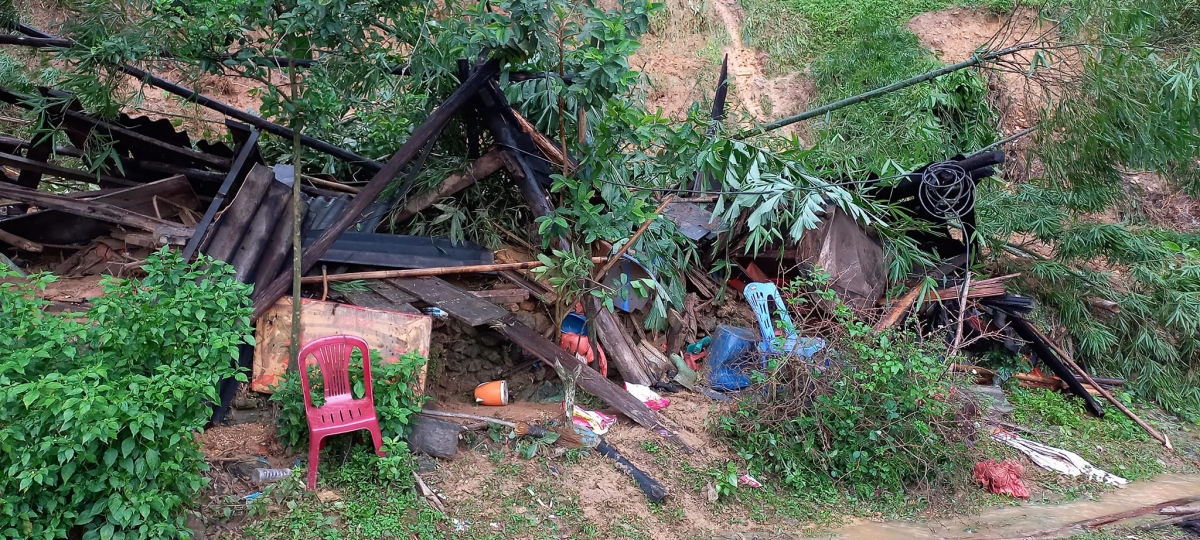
(314, 458)
(377, 438)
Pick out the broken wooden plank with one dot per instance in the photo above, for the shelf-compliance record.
(899, 310)
(486, 165)
(544, 294)
(55, 227)
(376, 298)
(164, 231)
(457, 302)
(389, 333)
(590, 379)
(502, 296)
(543, 142)
(409, 150)
(232, 225)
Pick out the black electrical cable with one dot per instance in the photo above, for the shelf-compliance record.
(946, 191)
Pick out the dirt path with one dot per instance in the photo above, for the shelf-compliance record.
(764, 98)
(1025, 519)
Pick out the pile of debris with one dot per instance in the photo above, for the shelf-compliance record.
(164, 188)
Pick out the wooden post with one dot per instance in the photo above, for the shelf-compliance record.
(621, 348)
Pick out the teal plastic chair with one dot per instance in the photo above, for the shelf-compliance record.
(765, 300)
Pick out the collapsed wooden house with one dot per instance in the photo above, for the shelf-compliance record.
(161, 187)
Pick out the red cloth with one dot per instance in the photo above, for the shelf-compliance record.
(1003, 477)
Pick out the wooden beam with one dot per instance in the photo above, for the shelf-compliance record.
(24, 164)
(899, 310)
(621, 349)
(55, 227)
(1116, 403)
(409, 150)
(484, 166)
(165, 232)
(19, 243)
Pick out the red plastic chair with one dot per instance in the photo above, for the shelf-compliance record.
(341, 413)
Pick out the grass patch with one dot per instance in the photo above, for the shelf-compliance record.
(795, 32)
(905, 129)
(1113, 443)
(375, 499)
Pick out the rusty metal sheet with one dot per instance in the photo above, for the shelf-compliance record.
(390, 332)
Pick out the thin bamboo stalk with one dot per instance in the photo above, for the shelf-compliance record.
(440, 271)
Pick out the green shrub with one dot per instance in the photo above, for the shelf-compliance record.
(97, 413)
(880, 418)
(395, 399)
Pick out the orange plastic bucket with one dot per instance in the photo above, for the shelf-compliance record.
(494, 393)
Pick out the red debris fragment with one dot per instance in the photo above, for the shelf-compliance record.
(1002, 477)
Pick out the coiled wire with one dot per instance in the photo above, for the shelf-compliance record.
(946, 190)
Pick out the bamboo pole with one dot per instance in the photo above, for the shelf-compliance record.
(625, 248)
(1071, 362)
(440, 271)
(866, 96)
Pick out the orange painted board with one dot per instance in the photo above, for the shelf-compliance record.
(391, 333)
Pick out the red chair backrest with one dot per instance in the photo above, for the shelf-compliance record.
(333, 354)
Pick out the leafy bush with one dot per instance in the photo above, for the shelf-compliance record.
(880, 417)
(97, 413)
(395, 398)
